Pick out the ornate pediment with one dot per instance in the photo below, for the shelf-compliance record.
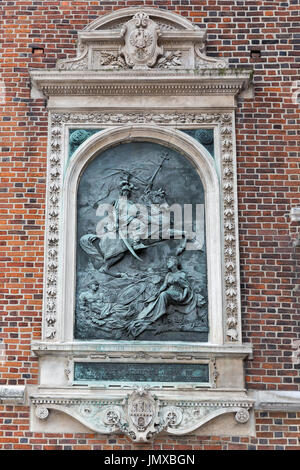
(144, 38)
(140, 51)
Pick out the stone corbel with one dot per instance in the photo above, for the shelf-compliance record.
(203, 61)
(76, 63)
(141, 415)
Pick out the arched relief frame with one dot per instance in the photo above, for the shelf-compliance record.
(228, 330)
(204, 165)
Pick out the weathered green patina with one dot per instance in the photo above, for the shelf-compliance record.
(78, 136)
(140, 372)
(141, 278)
(204, 136)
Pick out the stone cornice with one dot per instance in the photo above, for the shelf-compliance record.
(51, 399)
(96, 36)
(111, 348)
(203, 82)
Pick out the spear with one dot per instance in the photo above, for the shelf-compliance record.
(164, 157)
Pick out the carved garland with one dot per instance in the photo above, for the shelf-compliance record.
(225, 121)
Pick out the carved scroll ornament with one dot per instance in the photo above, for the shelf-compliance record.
(141, 415)
(142, 42)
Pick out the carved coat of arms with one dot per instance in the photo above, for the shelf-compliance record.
(141, 35)
(142, 414)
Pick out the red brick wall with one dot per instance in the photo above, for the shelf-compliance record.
(268, 186)
(275, 431)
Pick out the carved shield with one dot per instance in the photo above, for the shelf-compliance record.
(141, 49)
(141, 412)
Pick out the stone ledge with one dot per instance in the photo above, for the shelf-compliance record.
(42, 348)
(295, 214)
(12, 394)
(276, 400)
(211, 81)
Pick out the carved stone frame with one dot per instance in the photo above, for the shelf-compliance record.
(141, 106)
(62, 193)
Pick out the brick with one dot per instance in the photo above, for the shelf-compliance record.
(268, 186)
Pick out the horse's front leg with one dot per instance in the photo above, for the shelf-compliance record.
(109, 263)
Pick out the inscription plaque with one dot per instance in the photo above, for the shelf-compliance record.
(140, 372)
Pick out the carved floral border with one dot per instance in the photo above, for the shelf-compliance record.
(229, 201)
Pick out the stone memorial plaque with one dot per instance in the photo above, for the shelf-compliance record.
(141, 282)
(141, 257)
(140, 372)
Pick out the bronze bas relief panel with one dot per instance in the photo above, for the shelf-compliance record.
(141, 256)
